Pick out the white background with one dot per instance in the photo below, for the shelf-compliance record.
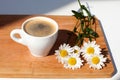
(107, 11)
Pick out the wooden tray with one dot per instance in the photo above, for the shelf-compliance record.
(16, 60)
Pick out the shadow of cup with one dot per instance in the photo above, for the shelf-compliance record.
(64, 36)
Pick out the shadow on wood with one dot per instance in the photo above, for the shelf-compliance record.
(8, 19)
(64, 36)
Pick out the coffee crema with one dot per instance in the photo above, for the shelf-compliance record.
(39, 28)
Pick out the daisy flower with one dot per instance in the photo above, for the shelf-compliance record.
(77, 50)
(96, 61)
(63, 53)
(90, 48)
(73, 62)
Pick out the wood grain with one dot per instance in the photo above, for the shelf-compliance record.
(16, 60)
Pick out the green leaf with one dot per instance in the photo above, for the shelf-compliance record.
(91, 31)
(83, 27)
(78, 15)
(95, 34)
(80, 36)
(86, 35)
(87, 29)
(87, 11)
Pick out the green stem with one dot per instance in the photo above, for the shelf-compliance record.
(80, 6)
(83, 28)
(79, 3)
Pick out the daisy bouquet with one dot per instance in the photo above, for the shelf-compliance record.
(90, 52)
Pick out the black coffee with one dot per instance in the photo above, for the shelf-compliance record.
(39, 28)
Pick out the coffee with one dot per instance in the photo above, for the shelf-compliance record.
(39, 28)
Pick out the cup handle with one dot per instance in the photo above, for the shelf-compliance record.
(16, 39)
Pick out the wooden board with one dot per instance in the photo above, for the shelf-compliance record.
(16, 60)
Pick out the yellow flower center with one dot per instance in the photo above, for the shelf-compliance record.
(90, 50)
(72, 61)
(95, 60)
(75, 51)
(63, 53)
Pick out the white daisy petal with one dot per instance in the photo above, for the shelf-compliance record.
(63, 52)
(96, 61)
(90, 48)
(76, 50)
(73, 62)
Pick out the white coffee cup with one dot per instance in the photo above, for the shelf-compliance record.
(38, 46)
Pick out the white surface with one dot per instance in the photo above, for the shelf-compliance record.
(107, 11)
